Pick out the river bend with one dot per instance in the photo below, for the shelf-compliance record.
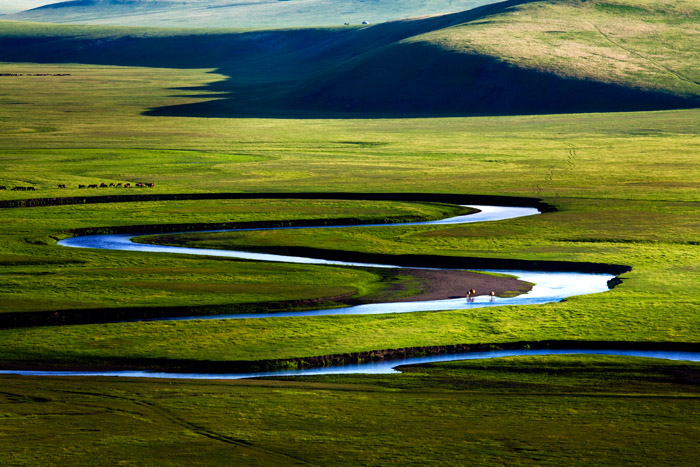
(549, 286)
(371, 368)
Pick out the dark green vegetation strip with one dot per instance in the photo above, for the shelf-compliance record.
(413, 260)
(175, 365)
(412, 197)
(540, 410)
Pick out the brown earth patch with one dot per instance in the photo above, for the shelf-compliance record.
(435, 284)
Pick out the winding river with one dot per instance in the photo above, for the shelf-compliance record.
(549, 287)
(371, 368)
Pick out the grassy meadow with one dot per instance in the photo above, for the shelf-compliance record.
(593, 56)
(624, 185)
(536, 410)
(645, 218)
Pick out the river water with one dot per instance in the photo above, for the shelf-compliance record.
(374, 368)
(549, 287)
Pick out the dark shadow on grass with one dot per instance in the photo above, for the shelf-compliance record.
(517, 201)
(338, 73)
(422, 80)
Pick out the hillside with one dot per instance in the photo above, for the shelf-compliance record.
(15, 6)
(515, 57)
(551, 56)
(238, 13)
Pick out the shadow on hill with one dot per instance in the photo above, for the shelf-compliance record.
(420, 79)
(303, 50)
(302, 73)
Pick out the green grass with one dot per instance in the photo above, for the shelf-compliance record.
(656, 302)
(39, 276)
(630, 42)
(539, 410)
(625, 184)
(508, 58)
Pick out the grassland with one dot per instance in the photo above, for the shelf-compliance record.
(42, 277)
(538, 410)
(645, 218)
(624, 185)
(593, 56)
(622, 41)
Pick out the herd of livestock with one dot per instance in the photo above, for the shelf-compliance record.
(95, 185)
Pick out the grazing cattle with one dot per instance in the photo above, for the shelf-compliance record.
(103, 185)
(140, 185)
(127, 185)
(119, 185)
(92, 186)
(111, 185)
(150, 185)
(62, 185)
(81, 186)
(3, 187)
(30, 188)
(19, 188)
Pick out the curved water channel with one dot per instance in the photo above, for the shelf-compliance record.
(549, 287)
(371, 368)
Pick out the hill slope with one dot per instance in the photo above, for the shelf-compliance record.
(547, 56)
(239, 13)
(507, 58)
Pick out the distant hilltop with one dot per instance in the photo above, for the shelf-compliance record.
(235, 13)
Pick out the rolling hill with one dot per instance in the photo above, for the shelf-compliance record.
(514, 57)
(238, 13)
(528, 57)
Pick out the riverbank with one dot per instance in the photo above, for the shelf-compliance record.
(540, 410)
(352, 361)
(405, 285)
(416, 285)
